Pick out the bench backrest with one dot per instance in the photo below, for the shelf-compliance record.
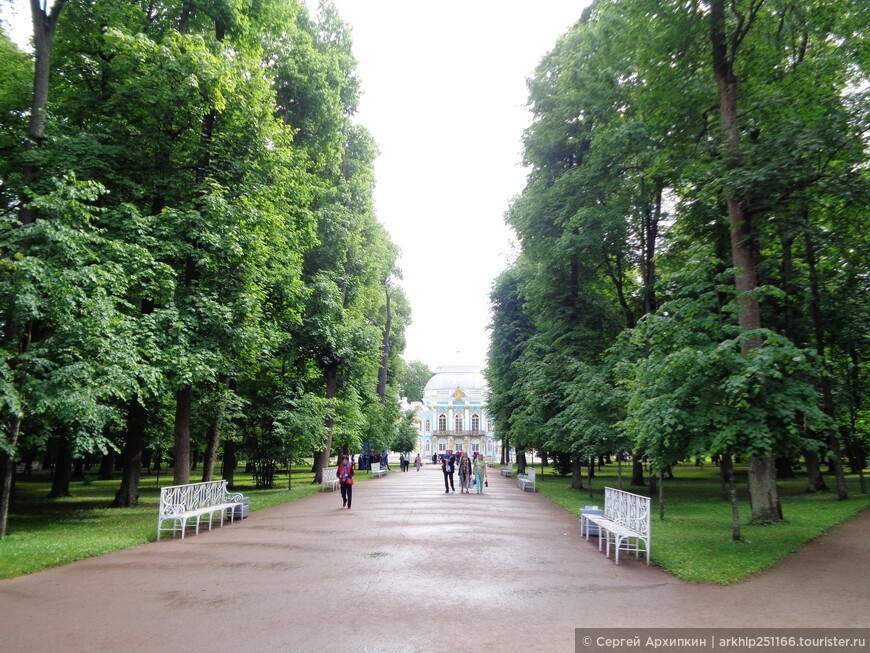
(192, 496)
(330, 474)
(633, 510)
(530, 472)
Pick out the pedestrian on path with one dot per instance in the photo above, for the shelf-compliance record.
(464, 473)
(447, 468)
(418, 462)
(345, 477)
(479, 473)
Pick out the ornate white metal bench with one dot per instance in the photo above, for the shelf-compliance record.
(330, 478)
(527, 481)
(507, 471)
(625, 522)
(378, 470)
(195, 501)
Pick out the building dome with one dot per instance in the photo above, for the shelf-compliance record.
(451, 379)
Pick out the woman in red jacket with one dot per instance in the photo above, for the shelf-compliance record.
(345, 477)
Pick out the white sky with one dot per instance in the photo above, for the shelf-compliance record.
(444, 95)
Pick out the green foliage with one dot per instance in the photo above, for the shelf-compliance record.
(413, 380)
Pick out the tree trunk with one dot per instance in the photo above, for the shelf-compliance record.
(321, 458)
(827, 384)
(62, 470)
(763, 496)
(7, 473)
(815, 480)
(762, 471)
(181, 451)
(728, 474)
(637, 472)
(229, 463)
(576, 474)
(661, 494)
(107, 466)
(385, 349)
(211, 448)
(128, 494)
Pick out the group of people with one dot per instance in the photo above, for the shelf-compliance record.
(472, 472)
(405, 462)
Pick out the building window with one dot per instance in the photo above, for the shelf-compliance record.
(428, 446)
(489, 425)
(428, 426)
(475, 422)
(442, 422)
(442, 445)
(457, 422)
(475, 445)
(458, 445)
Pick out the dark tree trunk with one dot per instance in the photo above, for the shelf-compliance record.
(7, 473)
(727, 469)
(181, 450)
(229, 463)
(211, 449)
(576, 474)
(521, 461)
(321, 458)
(815, 480)
(107, 466)
(385, 349)
(128, 494)
(827, 383)
(637, 472)
(62, 470)
(784, 468)
(78, 473)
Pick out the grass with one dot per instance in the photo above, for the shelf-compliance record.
(694, 542)
(44, 533)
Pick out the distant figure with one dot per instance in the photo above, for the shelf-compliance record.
(434, 458)
(447, 469)
(401, 462)
(418, 462)
(464, 473)
(385, 462)
(345, 477)
(479, 473)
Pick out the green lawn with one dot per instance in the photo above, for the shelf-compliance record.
(694, 540)
(45, 533)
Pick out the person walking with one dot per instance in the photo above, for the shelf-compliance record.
(479, 473)
(418, 462)
(345, 477)
(464, 473)
(447, 468)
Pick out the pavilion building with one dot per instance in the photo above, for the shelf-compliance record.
(453, 414)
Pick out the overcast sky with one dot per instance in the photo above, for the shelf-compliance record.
(444, 95)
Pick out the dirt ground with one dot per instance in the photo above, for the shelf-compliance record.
(408, 568)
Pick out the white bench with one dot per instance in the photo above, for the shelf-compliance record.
(527, 481)
(330, 479)
(507, 471)
(180, 503)
(625, 522)
(377, 470)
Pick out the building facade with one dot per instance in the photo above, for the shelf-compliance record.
(453, 413)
